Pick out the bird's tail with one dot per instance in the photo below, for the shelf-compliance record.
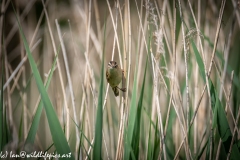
(115, 90)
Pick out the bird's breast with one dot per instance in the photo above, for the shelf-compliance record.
(115, 77)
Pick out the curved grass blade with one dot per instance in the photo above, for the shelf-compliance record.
(58, 136)
(34, 126)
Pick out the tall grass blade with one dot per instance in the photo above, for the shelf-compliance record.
(169, 135)
(208, 149)
(137, 129)
(199, 155)
(36, 119)
(149, 150)
(199, 60)
(58, 137)
(132, 118)
(97, 148)
(156, 149)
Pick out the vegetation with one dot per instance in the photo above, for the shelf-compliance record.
(180, 61)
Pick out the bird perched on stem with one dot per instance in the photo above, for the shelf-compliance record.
(114, 75)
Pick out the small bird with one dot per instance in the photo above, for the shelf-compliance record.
(114, 75)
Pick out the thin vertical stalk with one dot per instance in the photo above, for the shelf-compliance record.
(69, 82)
(187, 85)
(186, 64)
(58, 66)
